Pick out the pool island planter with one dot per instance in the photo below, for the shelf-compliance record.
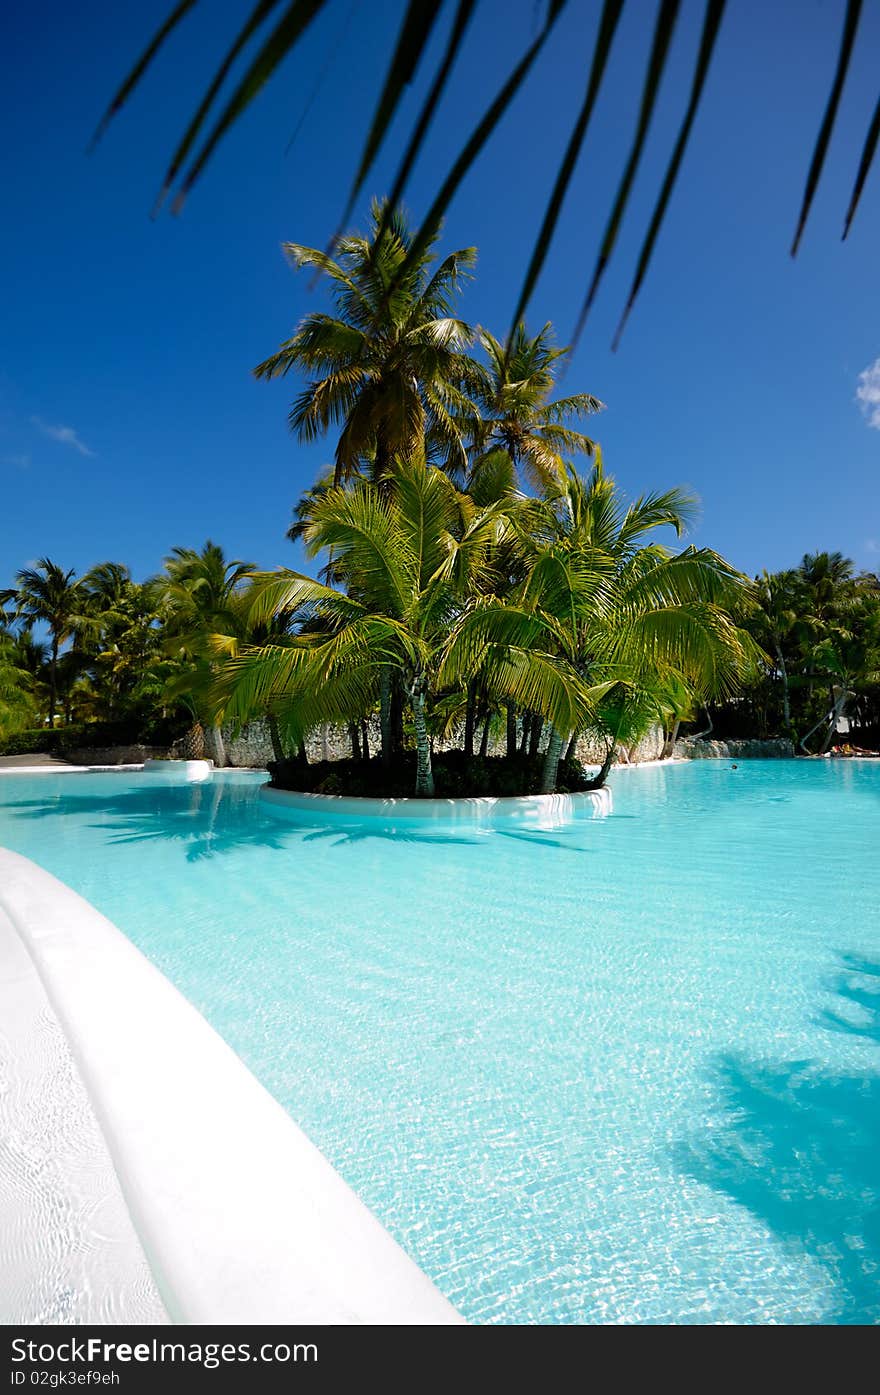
(241, 1218)
(538, 811)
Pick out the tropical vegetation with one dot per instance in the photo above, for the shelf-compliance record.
(485, 596)
(818, 626)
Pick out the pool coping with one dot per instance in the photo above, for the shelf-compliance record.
(541, 810)
(62, 769)
(242, 1219)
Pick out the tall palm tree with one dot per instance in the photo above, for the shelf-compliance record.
(49, 596)
(389, 366)
(518, 416)
(779, 597)
(408, 558)
(196, 596)
(119, 637)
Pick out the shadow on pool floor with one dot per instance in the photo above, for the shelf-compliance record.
(801, 1150)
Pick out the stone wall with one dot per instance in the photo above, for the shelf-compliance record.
(777, 748)
(253, 747)
(591, 749)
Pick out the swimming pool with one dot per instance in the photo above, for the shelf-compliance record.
(627, 1071)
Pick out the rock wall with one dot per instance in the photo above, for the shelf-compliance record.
(252, 745)
(776, 748)
(591, 749)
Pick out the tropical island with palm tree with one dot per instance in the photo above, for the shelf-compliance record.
(484, 603)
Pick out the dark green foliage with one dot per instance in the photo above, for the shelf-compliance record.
(152, 731)
(819, 627)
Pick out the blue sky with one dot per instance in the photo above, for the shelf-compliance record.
(129, 421)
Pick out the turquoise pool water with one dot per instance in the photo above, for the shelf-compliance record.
(624, 1072)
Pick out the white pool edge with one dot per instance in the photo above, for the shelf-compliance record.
(241, 1218)
(67, 769)
(544, 811)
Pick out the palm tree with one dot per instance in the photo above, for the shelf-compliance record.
(257, 47)
(839, 625)
(195, 597)
(119, 638)
(631, 619)
(16, 688)
(518, 417)
(49, 596)
(779, 597)
(388, 368)
(409, 558)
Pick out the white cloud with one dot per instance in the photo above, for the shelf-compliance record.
(868, 394)
(68, 437)
(21, 462)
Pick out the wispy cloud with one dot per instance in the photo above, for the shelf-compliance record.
(19, 461)
(68, 437)
(868, 394)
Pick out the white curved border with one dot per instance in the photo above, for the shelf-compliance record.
(542, 811)
(241, 1218)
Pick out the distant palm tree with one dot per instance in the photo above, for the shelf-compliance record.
(518, 416)
(119, 637)
(195, 597)
(827, 576)
(49, 596)
(779, 596)
(388, 367)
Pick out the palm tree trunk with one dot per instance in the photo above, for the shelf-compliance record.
(484, 741)
(424, 773)
(786, 700)
(526, 729)
(535, 734)
(385, 713)
(53, 680)
(470, 715)
(511, 729)
(670, 740)
(365, 741)
(571, 749)
(275, 737)
(838, 705)
(215, 747)
(382, 460)
(354, 737)
(396, 713)
(598, 781)
(551, 762)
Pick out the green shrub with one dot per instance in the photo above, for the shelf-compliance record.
(58, 741)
